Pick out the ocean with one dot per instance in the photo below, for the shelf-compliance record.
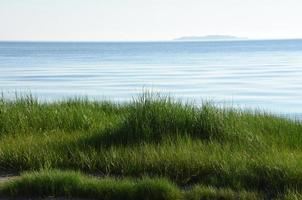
(263, 74)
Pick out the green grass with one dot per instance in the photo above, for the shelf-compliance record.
(74, 184)
(223, 150)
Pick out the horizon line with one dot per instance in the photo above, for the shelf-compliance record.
(171, 40)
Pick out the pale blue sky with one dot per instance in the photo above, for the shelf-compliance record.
(147, 19)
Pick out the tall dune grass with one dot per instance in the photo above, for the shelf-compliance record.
(155, 136)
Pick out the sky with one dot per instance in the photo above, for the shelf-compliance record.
(139, 20)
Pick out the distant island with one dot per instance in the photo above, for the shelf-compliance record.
(210, 38)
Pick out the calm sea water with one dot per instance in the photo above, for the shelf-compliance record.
(253, 74)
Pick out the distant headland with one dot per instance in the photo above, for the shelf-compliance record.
(210, 38)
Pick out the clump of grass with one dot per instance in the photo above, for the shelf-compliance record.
(200, 192)
(27, 115)
(72, 184)
(154, 118)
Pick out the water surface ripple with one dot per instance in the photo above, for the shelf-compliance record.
(254, 74)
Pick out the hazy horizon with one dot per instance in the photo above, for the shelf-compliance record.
(142, 20)
(146, 40)
(177, 39)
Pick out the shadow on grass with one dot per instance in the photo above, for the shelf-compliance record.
(152, 120)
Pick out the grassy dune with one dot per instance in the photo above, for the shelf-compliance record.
(151, 148)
